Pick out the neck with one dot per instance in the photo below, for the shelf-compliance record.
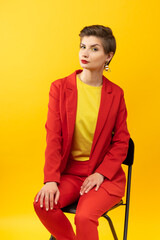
(93, 78)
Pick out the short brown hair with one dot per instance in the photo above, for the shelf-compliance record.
(105, 33)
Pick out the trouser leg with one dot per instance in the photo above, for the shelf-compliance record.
(55, 220)
(90, 207)
(56, 223)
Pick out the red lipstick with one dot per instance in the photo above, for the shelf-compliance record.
(84, 61)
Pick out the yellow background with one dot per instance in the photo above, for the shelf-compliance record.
(39, 43)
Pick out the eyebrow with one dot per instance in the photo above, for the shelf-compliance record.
(92, 45)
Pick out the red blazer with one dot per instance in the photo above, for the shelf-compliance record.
(108, 151)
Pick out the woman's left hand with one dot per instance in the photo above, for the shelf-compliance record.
(94, 179)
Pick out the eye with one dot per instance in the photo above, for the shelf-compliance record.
(82, 46)
(94, 49)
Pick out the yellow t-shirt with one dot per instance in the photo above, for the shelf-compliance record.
(88, 103)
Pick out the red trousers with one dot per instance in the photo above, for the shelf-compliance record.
(90, 207)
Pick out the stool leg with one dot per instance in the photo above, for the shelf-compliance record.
(111, 226)
(52, 238)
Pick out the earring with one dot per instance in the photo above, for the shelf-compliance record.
(107, 67)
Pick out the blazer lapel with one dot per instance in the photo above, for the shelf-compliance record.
(105, 105)
(71, 103)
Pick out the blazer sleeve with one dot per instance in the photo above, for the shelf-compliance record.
(119, 145)
(53, 137)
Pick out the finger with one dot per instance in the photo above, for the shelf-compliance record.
(41, 199)
(51, 200)
(87, 187)
(37, 197)
(97, 187)
(82, 190)
(47, 201)
(57, 196)
(85, 183)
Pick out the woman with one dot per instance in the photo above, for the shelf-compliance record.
(87, 140)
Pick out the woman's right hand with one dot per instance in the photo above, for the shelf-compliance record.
(50, 193)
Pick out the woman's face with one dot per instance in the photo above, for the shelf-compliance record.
(92, 55)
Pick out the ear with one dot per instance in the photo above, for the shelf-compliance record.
(109, 56)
